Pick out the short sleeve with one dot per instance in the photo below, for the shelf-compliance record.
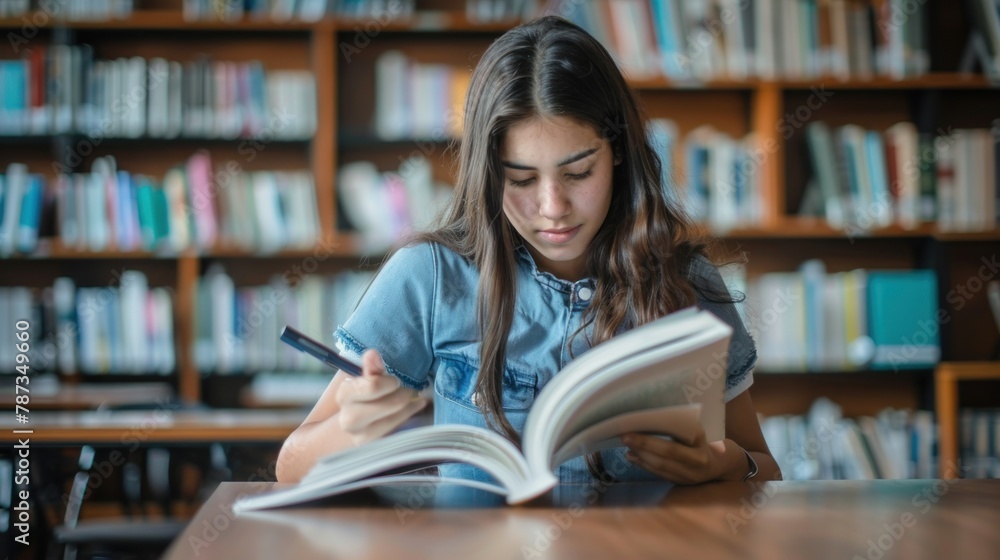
(396, 316)
(712, 293)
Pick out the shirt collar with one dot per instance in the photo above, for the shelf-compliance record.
(547, 278)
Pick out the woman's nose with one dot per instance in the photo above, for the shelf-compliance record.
(553, 202)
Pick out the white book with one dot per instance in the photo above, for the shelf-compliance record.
(134, 292)
(963, 173)
(312, 10)
(834, 342)
(88, 309)
(767, 38)
(391, 97)
(269, 218)
(633, 382)
(158, 111)
(175, 100)
(134, 96)
(222, 296)
(161, 340)
(723, 213)
(287, 190)
(735, 43)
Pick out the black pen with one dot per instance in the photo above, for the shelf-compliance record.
(316, 349)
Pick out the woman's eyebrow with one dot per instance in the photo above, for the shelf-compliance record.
(575, 157)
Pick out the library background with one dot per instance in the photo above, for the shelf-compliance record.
(181, 178)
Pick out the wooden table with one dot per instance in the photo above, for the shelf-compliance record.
(843, 520)
(153, 426)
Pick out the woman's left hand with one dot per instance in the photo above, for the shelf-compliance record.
(682, 463)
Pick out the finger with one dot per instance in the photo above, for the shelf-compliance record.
(667, 450)
(391, 422)
(374, 383)
(359, 415)
(673, 472)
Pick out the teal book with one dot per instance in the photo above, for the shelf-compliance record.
(902, 319)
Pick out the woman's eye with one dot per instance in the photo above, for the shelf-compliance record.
(521, 183)
(579, 176)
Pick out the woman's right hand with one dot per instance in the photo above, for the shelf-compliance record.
(374, 403)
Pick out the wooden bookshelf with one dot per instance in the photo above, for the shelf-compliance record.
(948, 377)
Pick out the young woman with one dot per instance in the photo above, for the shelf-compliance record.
(559, 236)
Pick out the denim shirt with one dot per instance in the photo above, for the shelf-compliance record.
(419, 313)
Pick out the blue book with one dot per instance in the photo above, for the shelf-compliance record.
(15, 86)
(667, 39)
(879, 178)
(902, 319)
(813, 276)
(31, 212)
(125, 221)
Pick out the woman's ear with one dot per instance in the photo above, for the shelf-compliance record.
(618, 156)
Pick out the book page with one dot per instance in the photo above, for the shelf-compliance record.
(682, 421)
(667, 362)
(677, 381)
(431, 445)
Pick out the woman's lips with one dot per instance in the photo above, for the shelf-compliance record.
(561, 235)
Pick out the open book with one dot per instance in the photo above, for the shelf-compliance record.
(666, 377)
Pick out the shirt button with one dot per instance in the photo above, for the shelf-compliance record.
(584, 293)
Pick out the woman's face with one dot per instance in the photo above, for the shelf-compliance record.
(557, 190)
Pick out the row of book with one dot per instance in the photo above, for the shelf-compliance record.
(710, 39)
(979, 430)
(195, 205)
(810, 320)
(302, 10)
(238, 327)
(125, 327)
(417, 100)
(72, 10)
(824, 445)
(64, 89)
(721, 179)
(870, 179)
(384, 206)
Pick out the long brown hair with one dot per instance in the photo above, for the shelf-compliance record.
(551, 67)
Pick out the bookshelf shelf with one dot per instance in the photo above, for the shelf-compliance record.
(936, 80)
(665, 84)
(428, 21)
(168, 20)
(158, 21)
(807, 228)
(845, 374)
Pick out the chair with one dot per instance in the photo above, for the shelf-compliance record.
(139, 535)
